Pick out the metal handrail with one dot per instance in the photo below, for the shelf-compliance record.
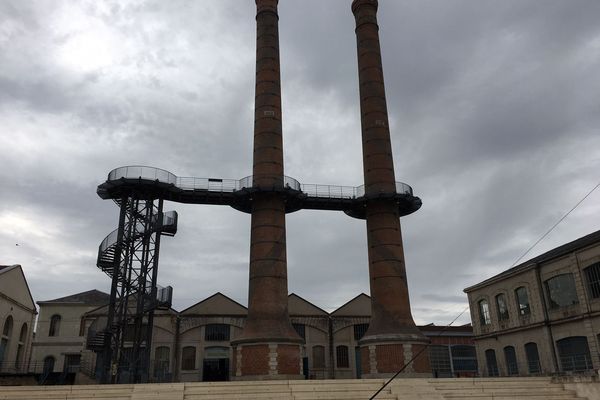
(233, 185)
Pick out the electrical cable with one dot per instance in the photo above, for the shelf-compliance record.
(555, 225)
(463, 311)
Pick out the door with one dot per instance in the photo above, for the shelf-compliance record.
(358, 363)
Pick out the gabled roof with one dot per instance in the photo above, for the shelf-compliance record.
(360, 306)
(299, 306)
(16, 292)
(217, 304)
(585, 241)
(91, 298)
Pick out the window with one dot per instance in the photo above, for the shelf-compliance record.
(561, 291)
(502, 307)
(533, 358)
(511, 360)
(188, 358)
(592, 273)
(464, 358)
(360, 330)
(54, 325)
(161, 361)
(48, 365)
(492, 364)
(439, 359)
(5, 338)
(301, 329)
(484, 313)
(21, 345)
(574, 354)
(341, 353)
(318, 357)
(522, 301)
(216, 332)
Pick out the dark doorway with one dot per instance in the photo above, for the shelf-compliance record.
(215, 369)
(358, 361)
(305, 367)
(216, 364)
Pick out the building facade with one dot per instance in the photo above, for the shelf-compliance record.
(542, 316)
(196, 343)
(60, 334)
(17, 317)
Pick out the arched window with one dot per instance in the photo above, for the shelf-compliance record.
(7, 329)
(592, 273)
(561, 291)
(502, 307)
(510, 357)
(484, 313)
(188, 358)
(341, 353)
(21, 346)
(533, 358)
(492, 364)
(54, 325)
(318, 356)
(522, 300)
(48, 365)
(5, 338)
(574, 354)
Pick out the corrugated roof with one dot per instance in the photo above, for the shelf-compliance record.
(91, 297)
(556, 252)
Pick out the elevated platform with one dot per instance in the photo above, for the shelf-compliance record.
(350, 389)
(152, 183)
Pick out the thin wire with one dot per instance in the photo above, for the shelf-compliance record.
(555, 225)
(418, 354)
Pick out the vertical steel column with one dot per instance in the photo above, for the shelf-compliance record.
(268, 320)
(391, 319)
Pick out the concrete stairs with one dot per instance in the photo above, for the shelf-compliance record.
(355, 389)
(522, 388)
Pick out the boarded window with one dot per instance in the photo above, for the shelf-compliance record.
(318, 357)
(188, 358)
(522, 301)
(216, 332)
(341, 353)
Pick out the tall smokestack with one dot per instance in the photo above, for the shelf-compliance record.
(392, 338)
(269, 347)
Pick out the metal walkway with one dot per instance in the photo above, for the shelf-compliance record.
(158, 183)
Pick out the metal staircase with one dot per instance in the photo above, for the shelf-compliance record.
(129, 256)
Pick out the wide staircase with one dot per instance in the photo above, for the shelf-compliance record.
(363, 389)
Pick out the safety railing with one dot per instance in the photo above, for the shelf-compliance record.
(233, 185)
(142, 172)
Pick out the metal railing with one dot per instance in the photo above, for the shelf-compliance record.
(233, 185)
(576, 363)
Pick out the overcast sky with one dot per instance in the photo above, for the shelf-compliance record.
(494, 116)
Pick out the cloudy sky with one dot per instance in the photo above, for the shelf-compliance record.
(494, 114)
